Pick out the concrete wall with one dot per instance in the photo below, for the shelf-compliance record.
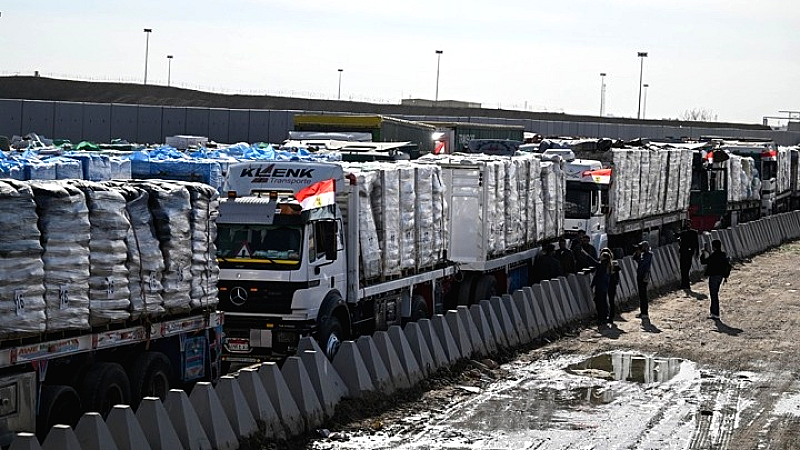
(152, 124)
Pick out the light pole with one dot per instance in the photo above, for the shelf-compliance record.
(602, 93)
(644, 106)
(147, 32)
(438, 60)
(642, 56)
(340, 84)
(169, 69)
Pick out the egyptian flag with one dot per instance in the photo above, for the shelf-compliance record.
(317, 195)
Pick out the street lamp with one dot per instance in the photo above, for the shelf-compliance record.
(644, 106)
(602, 93)
(169, 69)
(340, 84)
(642, 56)
(147, 32)
(438, 60)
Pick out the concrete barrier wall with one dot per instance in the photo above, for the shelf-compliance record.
(304, 393)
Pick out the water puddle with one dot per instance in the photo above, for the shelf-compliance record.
(627, 367)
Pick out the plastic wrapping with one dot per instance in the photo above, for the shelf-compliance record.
(550, 192)
(204, 201)
(370, 251)
(22, 305)
(386, 207)
(440, 226)
(95, 167)
(119, 168)
(65, 230)
(408, 229)
(109, 294)
(67, 168)
(686, 180)
(424, 216)
(513, 215)
(39, 170)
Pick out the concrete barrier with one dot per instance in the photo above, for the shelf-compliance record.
(484, 329)
(523, 304)
(216, 425)
(406, 355)
(28, 441)
(259, 403)
(185, 421)
(127, 432)
(391, 360)
(578, 309)
(536, 308)
(378, 373)
(540, 301)
(499, 334)
(61, 437)
(350, 366)
(446, 338)
(434, 344)
(505, 320)
(460, 333)
(280, 397)
(235, 406)
(296, 376)
(323, 366)
(629, 269)
(516, 317)
(479, 347)
(553, 301)
(93, 433)
(155, 423)
(420, 349)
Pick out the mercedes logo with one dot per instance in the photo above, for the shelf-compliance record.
(238, 296)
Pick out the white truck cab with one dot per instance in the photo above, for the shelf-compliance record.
(586, 200)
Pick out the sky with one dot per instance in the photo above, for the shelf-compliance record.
(737, 59)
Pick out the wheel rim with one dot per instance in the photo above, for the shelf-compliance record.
(332, 346)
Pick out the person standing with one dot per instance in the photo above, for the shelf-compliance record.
(565, 257)
(689, 249)
(718, 268)
(600, 283)
(644, 262)
(612, 290)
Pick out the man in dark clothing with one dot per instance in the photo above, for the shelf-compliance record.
(644, 261)
(612, 290)
(600, 283)
(718, 268)
(689, 249)
(565, 257)
(546, 266)
(585, 254)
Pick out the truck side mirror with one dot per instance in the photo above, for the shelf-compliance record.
(330, 233)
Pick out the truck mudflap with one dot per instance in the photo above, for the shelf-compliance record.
(254, 340)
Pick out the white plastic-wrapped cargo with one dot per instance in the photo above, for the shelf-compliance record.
(22, 305)
(550, 191)
(408, 228)
(497, 191)
(204, 201)
(513, 214)
(145, 263)
(686, 180)
(424, 216)
(784, 169)
(535, 202)
(171, 208)
(386, 208)
(109, 293)
(65, 229)
(439, 227)
(370, 251)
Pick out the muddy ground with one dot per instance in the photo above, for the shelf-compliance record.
(683, 382)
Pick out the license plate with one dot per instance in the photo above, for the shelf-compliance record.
(238, 345)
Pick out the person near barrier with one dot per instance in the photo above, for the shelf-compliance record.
(689, 249)
(600, 284)
(546, 265)
(612, 289)
(718, 269)
(565, 257)
(644, 262)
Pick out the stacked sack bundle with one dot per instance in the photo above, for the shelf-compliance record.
(22, 307)
(145, 263)
(66, 231)
(170, 205)
(205, 205)
(109, 293)
(386, 207)
(407, 201)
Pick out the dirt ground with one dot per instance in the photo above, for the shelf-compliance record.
(734, 385)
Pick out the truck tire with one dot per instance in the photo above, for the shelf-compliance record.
(150, 376)
(331, 336)
(419, 308)
(57, 405)
(465, 291)
(485, 287)
(105, 385)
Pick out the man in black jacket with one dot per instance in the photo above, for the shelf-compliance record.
(718, 268)
(689, 249)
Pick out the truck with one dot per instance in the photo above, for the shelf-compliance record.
(381, 128)
(616, 209)
(452, 137)
(401, 241)
(96, 309)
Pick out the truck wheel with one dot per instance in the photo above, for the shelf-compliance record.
(104, 386)
(151, 376)
(331, 337)
(419, 308)
(485, 287)
(57, 405)
(465, 291)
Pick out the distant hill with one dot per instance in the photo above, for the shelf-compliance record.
(39, 88)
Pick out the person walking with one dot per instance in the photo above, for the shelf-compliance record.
(718, 268)
(600, 283)
(644, 262)
(612, 290)
(689, 248)
(565, 257)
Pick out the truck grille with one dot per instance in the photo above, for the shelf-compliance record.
(258, 296)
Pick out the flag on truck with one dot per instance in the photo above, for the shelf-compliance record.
(317, 195)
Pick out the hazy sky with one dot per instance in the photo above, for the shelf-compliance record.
(737, 58)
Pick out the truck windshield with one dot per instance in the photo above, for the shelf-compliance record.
(276, 244)
(578, 204)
